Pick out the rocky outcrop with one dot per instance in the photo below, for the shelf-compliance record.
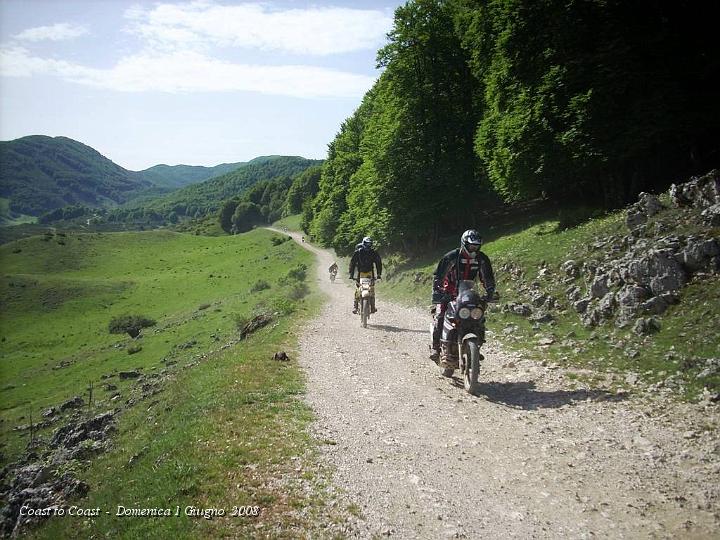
(699, 192)
(35, 481)
(633, 279)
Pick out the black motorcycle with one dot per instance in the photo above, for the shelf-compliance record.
(466, 315)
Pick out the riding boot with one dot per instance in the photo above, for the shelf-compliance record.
(446, 360)
(355, 306)
(372, 305)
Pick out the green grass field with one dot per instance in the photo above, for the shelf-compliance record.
(222, 433)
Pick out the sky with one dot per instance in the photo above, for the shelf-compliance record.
(198, 82)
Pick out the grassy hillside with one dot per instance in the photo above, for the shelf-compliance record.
(225, 421)
(527, 249)
(40, 173)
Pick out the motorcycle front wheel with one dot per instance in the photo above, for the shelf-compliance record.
(364, 312)
(471, 356)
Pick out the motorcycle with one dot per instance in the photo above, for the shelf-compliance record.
(366, 290)
(333, 275)
(466, 315)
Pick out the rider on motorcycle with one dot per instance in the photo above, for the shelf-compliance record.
(333, 268)
(363, 259)
(465, 262)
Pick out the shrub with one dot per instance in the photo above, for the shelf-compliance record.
(134, 349)
(260, 285)
(130, 324)
(277, 240)
(298, 272)
(298, 291)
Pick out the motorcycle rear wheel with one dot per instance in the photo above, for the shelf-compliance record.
(364, 312)
(471, 356)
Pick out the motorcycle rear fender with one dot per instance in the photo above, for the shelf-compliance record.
(470, 335)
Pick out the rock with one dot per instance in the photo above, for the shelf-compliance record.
(573, 293)
(73, 403)
(546, 341)
(50, 412)
(711, 215)
(582, 305)
(698, 254)
(542, 317)
(657, 269)
(71, 435)
(599, 287)
(638, 214)
(647, 326)
(630, 297)
(134, 374)
(699, 192)
(631, 379)
(523, 310)
(607, 305)
(255, 324)
(570, 268)
(281, 355)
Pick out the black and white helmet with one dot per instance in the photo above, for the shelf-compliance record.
(367, 242)
(471, 240)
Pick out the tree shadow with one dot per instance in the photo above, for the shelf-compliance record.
(396, 329)
(524, 395)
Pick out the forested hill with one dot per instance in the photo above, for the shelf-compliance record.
(205, 198)
(179, 176)
(40, 173)
(579, 102)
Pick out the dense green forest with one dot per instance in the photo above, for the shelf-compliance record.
(580, 102)
(269, 200)
(200, 200)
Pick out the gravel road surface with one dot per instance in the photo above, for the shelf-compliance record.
(533, 454)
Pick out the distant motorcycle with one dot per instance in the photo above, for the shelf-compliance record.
(333, 275)
(466, 314)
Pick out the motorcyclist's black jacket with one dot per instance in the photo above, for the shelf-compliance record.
(363, 259)
(457, 265)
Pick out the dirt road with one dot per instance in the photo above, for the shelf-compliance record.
(530, 456)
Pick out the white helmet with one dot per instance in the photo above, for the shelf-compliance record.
(471, 240)
(367, 242)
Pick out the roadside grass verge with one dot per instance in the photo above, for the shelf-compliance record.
(671, 358)
(228, 427)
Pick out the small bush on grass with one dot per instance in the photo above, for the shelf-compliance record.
(298, 291)
(130, 324)
(260, 285)
(298, 272)
(277, 240)
(132, 349)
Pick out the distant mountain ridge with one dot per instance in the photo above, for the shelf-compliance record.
(179, 176)
(39, 173)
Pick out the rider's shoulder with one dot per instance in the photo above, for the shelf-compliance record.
(451, 254)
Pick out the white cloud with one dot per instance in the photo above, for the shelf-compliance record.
(310, 31)
(190, 71)
(56, 32)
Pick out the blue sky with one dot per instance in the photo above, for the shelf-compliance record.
(199, 82)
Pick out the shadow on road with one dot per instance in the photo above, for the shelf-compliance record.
(523, 395)
(388, 328)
